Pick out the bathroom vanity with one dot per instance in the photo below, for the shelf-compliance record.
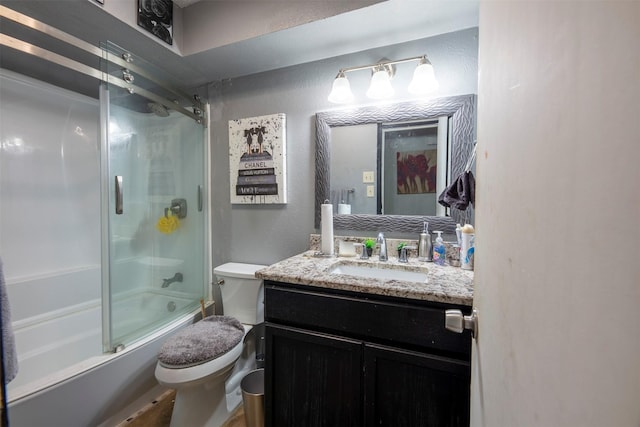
(344, 350)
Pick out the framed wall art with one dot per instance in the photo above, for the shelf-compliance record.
(257, 160)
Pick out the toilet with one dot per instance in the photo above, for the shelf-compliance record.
(205, 362)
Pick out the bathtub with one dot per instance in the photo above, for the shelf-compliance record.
(64, 379)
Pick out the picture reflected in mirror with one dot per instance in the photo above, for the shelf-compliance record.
(410, 163)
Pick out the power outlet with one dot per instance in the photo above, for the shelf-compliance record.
(367, 177)
(370, 191)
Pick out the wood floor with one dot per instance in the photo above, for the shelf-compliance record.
(158, 414)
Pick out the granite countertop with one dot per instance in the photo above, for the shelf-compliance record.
(444, 283)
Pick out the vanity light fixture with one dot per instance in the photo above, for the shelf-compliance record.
(341, 90)
(423, 82)
(380, 86)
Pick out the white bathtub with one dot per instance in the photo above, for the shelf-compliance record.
(64, 379)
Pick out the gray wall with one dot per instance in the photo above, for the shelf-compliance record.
(265, 234)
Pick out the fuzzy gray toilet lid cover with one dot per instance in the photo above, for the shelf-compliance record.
(201, 342)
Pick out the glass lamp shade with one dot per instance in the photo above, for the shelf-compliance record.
(341, 91)
(380, 87)
(424, 80)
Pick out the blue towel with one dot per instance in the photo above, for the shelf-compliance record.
(10, 355)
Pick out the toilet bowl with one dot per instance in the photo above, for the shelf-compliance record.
(206, 361)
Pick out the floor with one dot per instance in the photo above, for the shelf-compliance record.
(158, 414)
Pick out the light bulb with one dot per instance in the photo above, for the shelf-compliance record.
(341, 90)
(424, 80)
(380, 87)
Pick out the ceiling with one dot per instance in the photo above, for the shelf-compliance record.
(384, 23)
(185, 3)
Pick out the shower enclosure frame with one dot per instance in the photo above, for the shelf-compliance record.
(195, 109)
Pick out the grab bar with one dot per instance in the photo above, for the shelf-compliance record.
(119, 209)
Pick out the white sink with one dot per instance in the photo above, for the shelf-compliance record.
(374, 272)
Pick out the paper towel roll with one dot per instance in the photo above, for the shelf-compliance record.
(326, 223)
(344, 209)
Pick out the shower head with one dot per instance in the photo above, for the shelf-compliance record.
(158, 109)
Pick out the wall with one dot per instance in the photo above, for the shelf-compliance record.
(360, 144)
(266, 234)
(214, 24)
(49, 179)
(127, 12)
(221, 23)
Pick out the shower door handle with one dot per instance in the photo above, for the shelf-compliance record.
(199, 198)
(119, 209)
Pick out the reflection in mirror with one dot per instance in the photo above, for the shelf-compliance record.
(410, 163)
(455, 116)
(412, 167)
(353, 153)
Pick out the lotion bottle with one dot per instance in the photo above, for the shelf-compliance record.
(459, 234)
(425, 246)
(439, 251)
(467, 251)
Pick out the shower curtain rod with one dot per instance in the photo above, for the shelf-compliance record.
(58, 59)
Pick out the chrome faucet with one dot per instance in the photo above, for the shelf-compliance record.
(176, 278)
(383, 247)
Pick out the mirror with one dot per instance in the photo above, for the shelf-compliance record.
(406, 167)
(460, 111)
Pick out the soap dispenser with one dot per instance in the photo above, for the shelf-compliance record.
(425, 246)
(439, 251)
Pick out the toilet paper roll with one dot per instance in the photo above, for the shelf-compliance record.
(344, 209)
(326, 223)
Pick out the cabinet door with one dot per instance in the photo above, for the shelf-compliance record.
(312, 379)
(408, 389)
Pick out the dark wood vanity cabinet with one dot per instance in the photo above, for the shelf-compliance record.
(342, 359)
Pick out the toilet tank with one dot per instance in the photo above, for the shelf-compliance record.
(242, 294)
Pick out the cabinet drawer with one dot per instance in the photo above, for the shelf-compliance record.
(418, 325)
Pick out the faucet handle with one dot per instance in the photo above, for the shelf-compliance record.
(404, 254)
(364, 254)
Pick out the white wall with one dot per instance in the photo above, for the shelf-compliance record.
(557, 278)
(266, 234)
(49, 179)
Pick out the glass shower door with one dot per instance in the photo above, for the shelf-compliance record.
(156, 219)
